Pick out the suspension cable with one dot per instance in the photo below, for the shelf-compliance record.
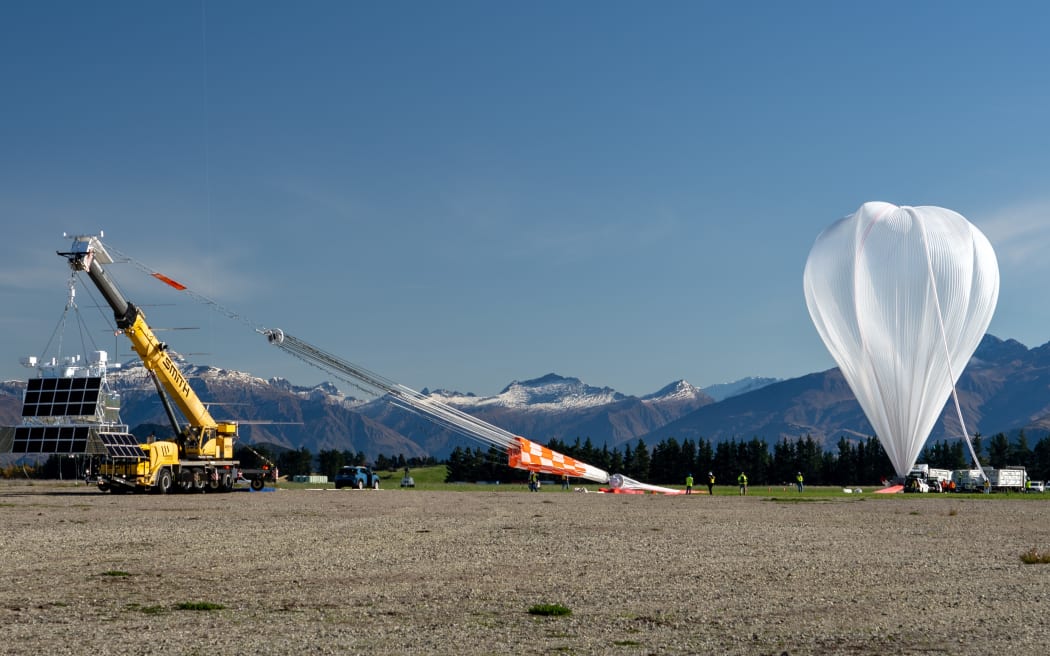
(947, 352)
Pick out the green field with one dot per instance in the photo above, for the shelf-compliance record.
(433, 478)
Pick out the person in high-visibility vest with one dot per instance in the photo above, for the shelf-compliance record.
(689, 484)
(710, 483)
(798, 481)
(741, 480)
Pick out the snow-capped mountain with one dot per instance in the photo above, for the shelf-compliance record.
(680, 389)
(549, 407)
(132, 376)
(271, 411)
(550, 393)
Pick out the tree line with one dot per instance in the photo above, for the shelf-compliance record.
(328, 462)
(670, 461)
(850, 462)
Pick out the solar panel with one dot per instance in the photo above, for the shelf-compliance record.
(50, 439)
(61, 397)
(121, 445)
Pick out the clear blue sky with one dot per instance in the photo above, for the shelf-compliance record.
(460, 194)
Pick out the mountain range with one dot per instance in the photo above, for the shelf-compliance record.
(1005, 387)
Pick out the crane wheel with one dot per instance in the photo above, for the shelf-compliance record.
(163, 485)
(227, 482)
(257, 484)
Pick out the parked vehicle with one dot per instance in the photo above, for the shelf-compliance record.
(922, 478)
(916, 484)
(407, 480)
(1007, 478)
(356, 476)
(968, 480)
(1000, 480)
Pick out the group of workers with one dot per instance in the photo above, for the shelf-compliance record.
(534, 481)
(710, 483)
(741, 482)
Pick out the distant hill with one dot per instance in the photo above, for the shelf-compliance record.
(1005, 387)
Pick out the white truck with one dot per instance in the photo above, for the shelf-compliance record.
(968, 480)
(1006, 479)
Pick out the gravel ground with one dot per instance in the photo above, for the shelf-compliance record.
(416, 572)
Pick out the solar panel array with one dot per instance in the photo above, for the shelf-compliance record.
(61, 397)
(50, 439)
(121, 445)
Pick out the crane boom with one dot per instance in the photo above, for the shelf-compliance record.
(203, 437)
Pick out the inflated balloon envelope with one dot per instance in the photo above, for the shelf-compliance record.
(902, 297)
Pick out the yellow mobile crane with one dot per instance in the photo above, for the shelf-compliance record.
(201, 455)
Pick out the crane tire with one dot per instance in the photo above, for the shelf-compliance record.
(257, 484)
(163, 485)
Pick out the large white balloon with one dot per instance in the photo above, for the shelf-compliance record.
(902, 296)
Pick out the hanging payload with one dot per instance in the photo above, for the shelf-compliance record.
(902, 297)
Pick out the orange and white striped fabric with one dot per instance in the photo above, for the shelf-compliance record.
(536, 457)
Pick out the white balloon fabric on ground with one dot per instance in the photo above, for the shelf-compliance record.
(902, 297)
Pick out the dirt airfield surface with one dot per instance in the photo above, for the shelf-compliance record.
(426, 572)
